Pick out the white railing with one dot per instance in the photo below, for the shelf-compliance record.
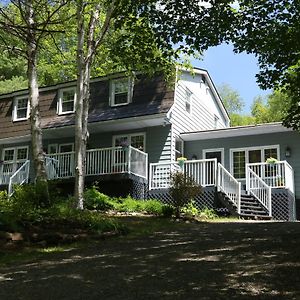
(276, 175)
(204, 172)
(259, 189)
(99, 162)
(160, 174)
(20, 177)
(230, 186)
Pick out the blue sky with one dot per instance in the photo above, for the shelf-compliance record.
(237, 70)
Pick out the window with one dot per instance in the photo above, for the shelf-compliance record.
(188, 100)
(20, 109)
(13, 158)
(66, 101)
(52, 149)
(240, 157)
(217, 153)
(136, 140)
(178, 147)
(120, 91)
(64, 148)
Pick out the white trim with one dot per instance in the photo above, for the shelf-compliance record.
(204, 151)
(247, 149)
(60, 97)
(112, 92)
(129, 136)
(15, 111)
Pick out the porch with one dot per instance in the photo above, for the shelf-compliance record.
(265, 183)
(104, 162)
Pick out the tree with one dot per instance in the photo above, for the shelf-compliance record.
(271, 29)
(27, 22)
(141, 35)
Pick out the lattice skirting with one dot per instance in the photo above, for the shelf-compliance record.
(283, 205)
(207, 199)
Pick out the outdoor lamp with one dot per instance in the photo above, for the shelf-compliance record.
(287, 151)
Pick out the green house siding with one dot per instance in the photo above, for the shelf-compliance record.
(284, 140)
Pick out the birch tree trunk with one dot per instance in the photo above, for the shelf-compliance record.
(36, 130)
(81, 107)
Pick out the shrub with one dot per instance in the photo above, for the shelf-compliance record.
(129, 204)
(183, 189)
(168, 211)
(189, 209)
(93, 199)
(208, 213)
(153, 207)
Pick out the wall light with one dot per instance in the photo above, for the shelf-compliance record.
(287, 151)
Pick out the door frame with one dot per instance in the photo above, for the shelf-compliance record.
(204, 151)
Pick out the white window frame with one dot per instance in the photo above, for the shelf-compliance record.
(204, 151)
(129, 136)
(247, 149)
(181, 151)
(15, 110)
(188, 100)
(112, 91)
(66, 144)
(60, 98)
(14, 161)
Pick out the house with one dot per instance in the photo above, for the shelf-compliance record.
(138, 128)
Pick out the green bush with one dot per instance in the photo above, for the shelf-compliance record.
(183, 189)
(190, 209)
(93, 199)
(153, 207)
(208, 213)
(168, 211)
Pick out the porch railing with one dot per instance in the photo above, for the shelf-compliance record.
(20, 177)
(259, 189)
(99, 162)
(276, 175)
(204, 172)
(230, 186)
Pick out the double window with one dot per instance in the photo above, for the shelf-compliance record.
(188, 100)
(121, 91)
(136, 140)
(66, 100)
(20, 109)
(240, 157)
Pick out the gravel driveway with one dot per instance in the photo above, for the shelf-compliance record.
(186, 261)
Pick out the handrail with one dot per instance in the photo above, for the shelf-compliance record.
(259, 189)
(21, 175)
(230, 186)
(279, 174)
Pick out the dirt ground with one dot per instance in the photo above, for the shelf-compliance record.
(184, 261)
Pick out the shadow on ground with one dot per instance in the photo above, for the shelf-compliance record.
(190, 261)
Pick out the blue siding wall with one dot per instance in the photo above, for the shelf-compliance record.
(284, 140)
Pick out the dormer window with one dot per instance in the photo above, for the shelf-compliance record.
(66, 101)
(120, 91)
(20, 109)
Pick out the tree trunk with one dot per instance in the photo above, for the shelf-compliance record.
(36, 130)
(81, 109)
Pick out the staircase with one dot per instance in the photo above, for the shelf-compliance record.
(251, 208)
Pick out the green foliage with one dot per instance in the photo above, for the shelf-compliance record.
(190, 209)
(168, 211)
(183, 189)
(241, 120)
(93, 199)
(207, 213)
(13, 84)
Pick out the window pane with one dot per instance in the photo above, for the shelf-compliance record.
(239, 164)
(137, 141)
(270, 153)
(121, 141)
(121, 86)
(214, 154)
(21, 108)
(22, 113)
(254, 156)
(66, 148)
(9, 155)
(21, 153)
(22, 103)
(121, 98)
(67, 100)
(52, 149)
